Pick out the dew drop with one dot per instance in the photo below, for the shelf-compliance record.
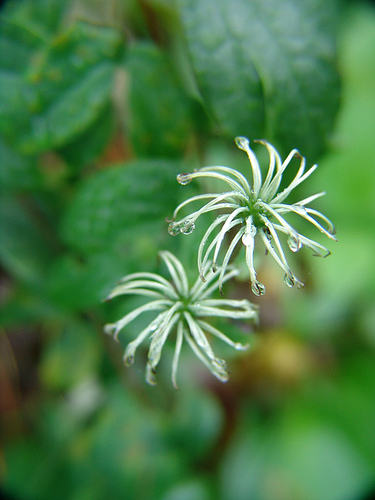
(289, 280)
(150, 374)
(153, 327)
(242, 142)
(241, 347)
(173, 229)
(294, 243)
(187, 228)
(220, 362)
(129, 360)
(247, 239)
(258, 288)
(183, 179)
(221, 367)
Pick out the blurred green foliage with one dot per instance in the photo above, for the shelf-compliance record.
(102, 103)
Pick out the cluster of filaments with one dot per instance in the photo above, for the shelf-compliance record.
(179, 308)
(253, 209)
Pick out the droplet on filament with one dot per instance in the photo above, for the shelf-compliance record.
(294, 243)
(289, 280)
(183, 179)
(187, 228)
(173, 229)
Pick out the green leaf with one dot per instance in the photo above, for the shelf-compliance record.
(61, 87)
(128, 445)
(301, 452)
(196, 423)
(70, 357)
(228, 81)
(160, 113)
(88, 146)
(17, 172)
(121, 206)
(24, 249)
(41, 17)
(192, 488)
(72, 285)
(266, 68)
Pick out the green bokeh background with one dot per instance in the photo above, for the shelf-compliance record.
(92, 136)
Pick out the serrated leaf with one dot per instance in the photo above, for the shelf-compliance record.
(160, 121)
(62, 87)
(118, 203)
(266, 68)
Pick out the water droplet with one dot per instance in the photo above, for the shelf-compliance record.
(258, 288)
(153, 326)
(242, 142)
(150, 374)
(247, 239)
(129, 360)
(220, 369)
(294, 243)
(220, 362)
(241, 347)
(289, 280)
(183, 179)
(173, 229)
(187, 228)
